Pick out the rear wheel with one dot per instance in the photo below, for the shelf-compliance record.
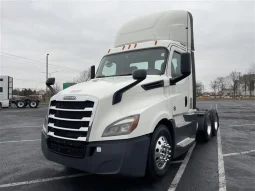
(33, 104)
(215, 123)
(160, 153)
(204, 134)
(20, 104)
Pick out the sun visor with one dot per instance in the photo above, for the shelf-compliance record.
(169, 25)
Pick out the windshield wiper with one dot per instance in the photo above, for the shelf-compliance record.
(129, 74)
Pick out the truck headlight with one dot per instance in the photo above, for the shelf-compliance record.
(122, 127)
(45, 125)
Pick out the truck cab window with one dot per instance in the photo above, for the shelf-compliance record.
(126, 62)
(109, 69)
(140, 65)
(159, 64)
(176, 65)
(1, 89)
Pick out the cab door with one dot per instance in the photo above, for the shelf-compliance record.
(179, 92)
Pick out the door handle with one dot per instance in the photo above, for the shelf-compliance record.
(186, 101)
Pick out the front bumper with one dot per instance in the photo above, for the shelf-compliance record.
(122, 157)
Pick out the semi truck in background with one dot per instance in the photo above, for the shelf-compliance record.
(6, 88)
(138, 112)
(7, 98)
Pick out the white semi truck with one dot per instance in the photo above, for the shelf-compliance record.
(6, 97)
(138, 112)
(6, 87)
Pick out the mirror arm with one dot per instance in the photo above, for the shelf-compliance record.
(117, 96)
(53, 92)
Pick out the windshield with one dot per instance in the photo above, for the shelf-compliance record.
(153, 60)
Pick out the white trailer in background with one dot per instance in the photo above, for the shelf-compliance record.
(6, 87)
(6, 97)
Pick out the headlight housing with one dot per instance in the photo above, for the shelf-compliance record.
(122, 127)
(45, 125)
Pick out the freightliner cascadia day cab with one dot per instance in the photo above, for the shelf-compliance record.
(138, 112)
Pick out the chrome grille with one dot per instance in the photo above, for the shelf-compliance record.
(70, 120)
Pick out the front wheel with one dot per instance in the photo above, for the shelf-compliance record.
(160, 153)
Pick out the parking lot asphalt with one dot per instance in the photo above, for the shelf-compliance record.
(23, 167)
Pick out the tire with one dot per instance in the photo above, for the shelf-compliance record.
(33, 104)
(0, 105)
(37, 103)
(204, 133)
(157, 168)
(20, 104)
(215, 122)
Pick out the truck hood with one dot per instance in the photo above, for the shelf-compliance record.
(101, 87)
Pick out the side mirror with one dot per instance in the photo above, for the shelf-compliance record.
(50, 81)
(139, 74)
(92, 72)
(185, 64)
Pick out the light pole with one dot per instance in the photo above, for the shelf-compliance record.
(47, 56)
(49, 73)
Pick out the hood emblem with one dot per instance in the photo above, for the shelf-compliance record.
(69, 98)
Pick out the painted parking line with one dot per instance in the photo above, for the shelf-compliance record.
(181, 170)
(221, 169)
(19, 141)
(21, 127)
(253, 124)
(42, 180)
(240, 153)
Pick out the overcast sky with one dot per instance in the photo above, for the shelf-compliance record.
(77, 34)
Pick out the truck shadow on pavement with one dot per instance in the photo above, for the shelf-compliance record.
(116, 183)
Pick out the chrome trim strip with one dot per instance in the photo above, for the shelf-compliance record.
(68, 129)
(60, 109)
(66, 119)
(79, 138)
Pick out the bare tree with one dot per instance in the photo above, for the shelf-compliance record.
(214, 86)
(233, 80)
(250, 78)
(199, 87)
(221, 84)
(83, 76)
(244, 80)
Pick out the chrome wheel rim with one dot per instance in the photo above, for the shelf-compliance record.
(33, 104)
(209, 126)
(20, 104)
(162, 152)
